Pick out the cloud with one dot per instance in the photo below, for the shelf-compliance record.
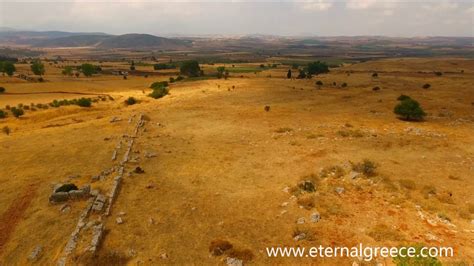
(317, 5)
(360, 4)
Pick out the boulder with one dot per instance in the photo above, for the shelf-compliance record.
(59, 197)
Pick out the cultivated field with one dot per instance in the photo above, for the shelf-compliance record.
(218, 166)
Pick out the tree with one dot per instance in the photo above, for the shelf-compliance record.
(220, 72)
(67, 71)
(409, 110)
(17, 112)
(132, 66)
(8, 68)
(88, 69)
(37, 67)
(288, 75)
(302, 74)
(319, 83)
(317, 67)
(84, 102)
(190, 68)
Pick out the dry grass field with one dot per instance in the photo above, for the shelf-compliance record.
(218, 166)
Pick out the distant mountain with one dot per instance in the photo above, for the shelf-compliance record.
(72, 41)
(9, 36)
(138, 41)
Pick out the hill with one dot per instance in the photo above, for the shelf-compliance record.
(141, 41)
(73, 41)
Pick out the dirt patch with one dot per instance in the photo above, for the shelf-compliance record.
(14, 213)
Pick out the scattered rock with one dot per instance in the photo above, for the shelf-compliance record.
(339, 190)
(286, 189)
(150, 154)
(151, 221)
(115, 119)
(35, 254)
(119, 220)
(65, 208)
(163, 256)
(299, 237)
(234, 262)
(121, 213)
(300, 220)
(354, 175)
(58, 197)
(283, 212)
(315, 217)
(284, 204)
(65, 187)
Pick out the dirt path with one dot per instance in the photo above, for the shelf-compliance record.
(12, 216)
(54, 92)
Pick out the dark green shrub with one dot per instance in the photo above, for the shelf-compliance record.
(159, 84)
(190, 68)
(179, 78)
(403, 97)
(319, 83)
(163, 66)
(172, 80)
(376, 88)
(409, 110)
(84, 102)
(3, 114)
(426, 86)
(343, 85)
(375, 75)
(301, 75)
(17, 112)
(2, 89)
(158, 92)
(317, 67)
(367, 167)
(130, 101)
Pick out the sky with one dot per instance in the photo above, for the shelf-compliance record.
(397, 18)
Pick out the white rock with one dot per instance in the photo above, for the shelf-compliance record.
(234, 262)
(284, 204)
(299, 237)
(315, 217)
(300, 220)
(119, 220)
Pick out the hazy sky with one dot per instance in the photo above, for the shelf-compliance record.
(315, 17)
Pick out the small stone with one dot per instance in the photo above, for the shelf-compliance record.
(299, 237)
(163, 256)
(234, 262)
(339, 190)
(286, 189)
(284, 204)
(59, 197)
(472, 222)
(119, 220)
(151, 221)
(115, 119)
(150, 154)
(300, 220)
(35, 254)
(315, 217)
(354, 175)
(283, 212)
(121, 213)
(94, 192)
(65, 208)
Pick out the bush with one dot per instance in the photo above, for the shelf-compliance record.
(158, 92)
(67, 71)
(84, 102)
(2, 89)
(17, 112)
(409, 110)
(37, 67)
(403, 97)
(301, 75)
(377, 88)
(6, 130)
(317, 67)
(343, 85)
(375, 75)
(3, 114)
(130, 101)
(190, 68)
(163, 66)
(8, 68)
(158, 84)
(172, 80)
(319, 83)
(367, 167)
(89, 69)
(426, 86)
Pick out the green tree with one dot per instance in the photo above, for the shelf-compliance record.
(220, 72)
(132, 66)
(88, 69)
(67, 71)
(8, 68)
(17, 112)
(317, 67)
(37, 67)
(288, 75)
(410, 110)
(190, 68)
